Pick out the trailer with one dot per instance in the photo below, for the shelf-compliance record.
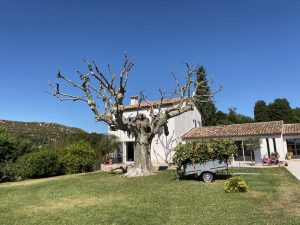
(205, 170)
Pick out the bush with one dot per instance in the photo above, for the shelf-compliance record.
(203, 150)
(12, 148)
(8, 172)
(38, 164)
(80, 158)
(235, 184)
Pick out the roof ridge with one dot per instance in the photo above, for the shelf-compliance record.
(189, 131)
(153, 103)
(235, 130)
(240, 124)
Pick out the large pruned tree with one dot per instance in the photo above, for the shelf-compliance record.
(105, 97)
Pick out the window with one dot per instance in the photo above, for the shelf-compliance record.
(242, 154)
(293, 145)
(195, 123)
(131, 119)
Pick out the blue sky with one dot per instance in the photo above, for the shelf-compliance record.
(251, 48)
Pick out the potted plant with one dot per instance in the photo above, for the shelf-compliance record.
(290, 154)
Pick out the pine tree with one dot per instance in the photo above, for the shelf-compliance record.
(296, 115)
(261, 112)
(280, 110)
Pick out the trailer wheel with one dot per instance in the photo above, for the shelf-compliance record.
(207, 177)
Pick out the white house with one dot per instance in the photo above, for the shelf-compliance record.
(275, 137)
(161, 146)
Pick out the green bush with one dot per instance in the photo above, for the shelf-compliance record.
(203, 150)
(235, 184)
(8, 172)
(12, 148)
(80, 158)
(38, 164)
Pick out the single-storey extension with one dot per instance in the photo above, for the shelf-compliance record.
(275, 136)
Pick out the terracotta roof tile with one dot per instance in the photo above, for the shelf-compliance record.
(290, 129)
(236, 130)
(144, 105)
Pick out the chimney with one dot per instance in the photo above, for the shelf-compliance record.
(134, 100)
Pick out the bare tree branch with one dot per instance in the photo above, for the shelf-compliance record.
(100, 91)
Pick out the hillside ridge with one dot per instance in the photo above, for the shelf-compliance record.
(21, 128)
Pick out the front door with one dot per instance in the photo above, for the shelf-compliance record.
(130, 151)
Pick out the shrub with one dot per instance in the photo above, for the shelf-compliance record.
(38, 164)
(80, 158)
(12, 148)
(235, 184)
(203, 150)
(8, 172)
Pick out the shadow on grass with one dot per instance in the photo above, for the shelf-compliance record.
(192, 177)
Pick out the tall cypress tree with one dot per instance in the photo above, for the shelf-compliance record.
(207, 110)
(261, 112)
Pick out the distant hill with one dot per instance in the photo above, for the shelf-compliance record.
(39, 131)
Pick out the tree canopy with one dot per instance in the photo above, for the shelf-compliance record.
(232, 117)
(279, 109)
(261, 111)
(296, 115)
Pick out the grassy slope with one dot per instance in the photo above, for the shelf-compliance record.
(105, 198)
(37, 128)
(40, 133)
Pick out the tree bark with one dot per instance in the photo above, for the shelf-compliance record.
(142, 158)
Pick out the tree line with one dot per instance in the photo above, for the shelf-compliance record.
(279, 109)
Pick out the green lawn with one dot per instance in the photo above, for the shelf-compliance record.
(105, 198)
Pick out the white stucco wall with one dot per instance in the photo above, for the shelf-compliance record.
(185, 122)
(279, 146)
(161, 147)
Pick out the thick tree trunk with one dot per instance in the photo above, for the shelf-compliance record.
(142, 158)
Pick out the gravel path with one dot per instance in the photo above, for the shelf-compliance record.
(294, 167)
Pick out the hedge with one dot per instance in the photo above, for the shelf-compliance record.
(203, 150)
(38, 164)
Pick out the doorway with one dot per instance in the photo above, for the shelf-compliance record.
(243, 154)
(130, 151)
